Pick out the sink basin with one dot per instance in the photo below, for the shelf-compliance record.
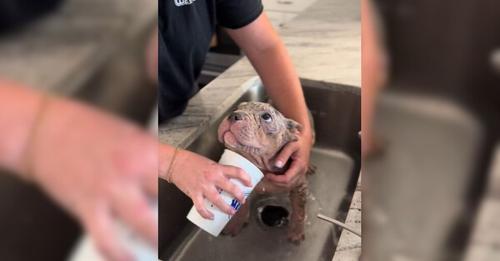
(336, 112)
(434, 158)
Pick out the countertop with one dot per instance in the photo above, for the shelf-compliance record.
(485, 238)
(65, 49)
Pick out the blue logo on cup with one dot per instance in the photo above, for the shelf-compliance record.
(235, 204)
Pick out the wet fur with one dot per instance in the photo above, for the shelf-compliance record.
(264, 158)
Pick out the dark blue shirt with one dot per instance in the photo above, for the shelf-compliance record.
(185, 30)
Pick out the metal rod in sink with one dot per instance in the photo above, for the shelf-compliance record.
(340, 224)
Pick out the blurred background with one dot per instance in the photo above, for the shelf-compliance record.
(431, 184)
(431, 173)
(93, 51)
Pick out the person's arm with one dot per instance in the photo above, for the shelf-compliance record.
(268, 55)
(18, 107)
(199, 178)
(91, 163)
(374, 74)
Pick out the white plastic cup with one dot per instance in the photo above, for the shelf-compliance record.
(215, 226)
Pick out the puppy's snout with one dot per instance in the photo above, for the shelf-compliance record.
(235, 116)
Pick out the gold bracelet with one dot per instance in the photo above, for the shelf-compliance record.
(29, 156)
(171, 166)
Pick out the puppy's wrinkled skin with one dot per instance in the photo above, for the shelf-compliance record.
(258, 132)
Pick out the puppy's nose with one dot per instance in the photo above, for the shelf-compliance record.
(235, 116)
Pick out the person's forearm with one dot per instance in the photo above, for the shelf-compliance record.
(269, 57)
(276, 70)
(18, 110)
(374, 73)
(166, 156)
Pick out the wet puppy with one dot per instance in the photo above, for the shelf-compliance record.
(259, 132)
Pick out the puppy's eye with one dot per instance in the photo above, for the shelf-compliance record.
(266, 117)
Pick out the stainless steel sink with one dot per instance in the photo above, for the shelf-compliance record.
(426, 182)
(336, 112)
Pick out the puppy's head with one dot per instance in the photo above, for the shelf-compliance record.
(257, 131)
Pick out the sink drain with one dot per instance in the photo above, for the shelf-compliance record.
(273, 216)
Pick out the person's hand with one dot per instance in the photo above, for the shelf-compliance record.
(298, 152)
(97, 167)
(200, 178)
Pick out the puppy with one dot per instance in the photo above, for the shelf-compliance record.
(259, 132)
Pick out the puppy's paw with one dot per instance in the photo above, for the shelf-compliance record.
(233, 228)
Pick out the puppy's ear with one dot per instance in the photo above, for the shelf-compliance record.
(294, 128)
